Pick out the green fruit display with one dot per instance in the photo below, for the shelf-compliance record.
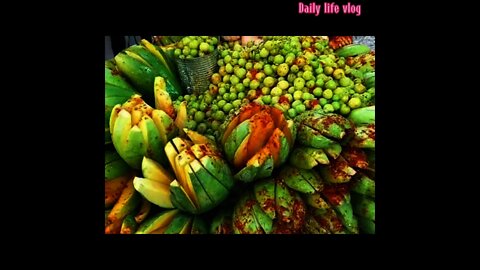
(256, 140)
(282, 141)
(139, 130)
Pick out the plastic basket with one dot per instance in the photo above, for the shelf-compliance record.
(195, 73)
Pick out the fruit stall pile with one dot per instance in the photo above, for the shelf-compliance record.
(281, 142)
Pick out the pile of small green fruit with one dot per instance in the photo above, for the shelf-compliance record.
(291, 73)
(190, 47)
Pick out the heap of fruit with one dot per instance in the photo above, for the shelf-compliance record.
(190, 47)
(265, 169)
(292, 74)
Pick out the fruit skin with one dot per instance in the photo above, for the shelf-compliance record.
(301, 180)
(339, 198)
(114, 188)
(353, 50)
(244, 221)
(139, 74)
(146, 55)
(331, 125)
(364, 209)
(168, 53)
(141, 64)
(308, 157)
(181, 199)
(172, 222)
(369, 79)
(163, 100)
(363, 206)
(157, 223)
(115, 166)
(114, 78)
(159, 54)
(313, 138)
(125, 205)
(322, 130)
(179, 224)
(256, 139)
(129, 225)
(363, 185)
(182, 117)
(138, 130)
(363, 137)
(363, 116)
(117, 91)
(168, 72)
(338, 171)
(272, 207)
(203, 177)
(117, 174)
(155, 192)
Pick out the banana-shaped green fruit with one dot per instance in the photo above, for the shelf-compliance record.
(114, 188)
(322, 130)
(161, 55)
(338, 196)
(363, 116)
(338, 171)
(256, 139)
(307, 157)
(139, 130)
(172, 222)
(363, 206)
(362, 184)
(304, 181)
(364, 137)
(352, 50)
(369, 79)
(328, 220)
(202, 177)
(168, 53)
(115, 166)
(139, 73)
(355, 157)
(125, 205)
(364, 209)
(141, 64)
(272, 208)
(331, 125)
(163, 101)
(117, 174)
(113, 77)
(117, 91)
(155, 183)
(312, 226)
(157, 223)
